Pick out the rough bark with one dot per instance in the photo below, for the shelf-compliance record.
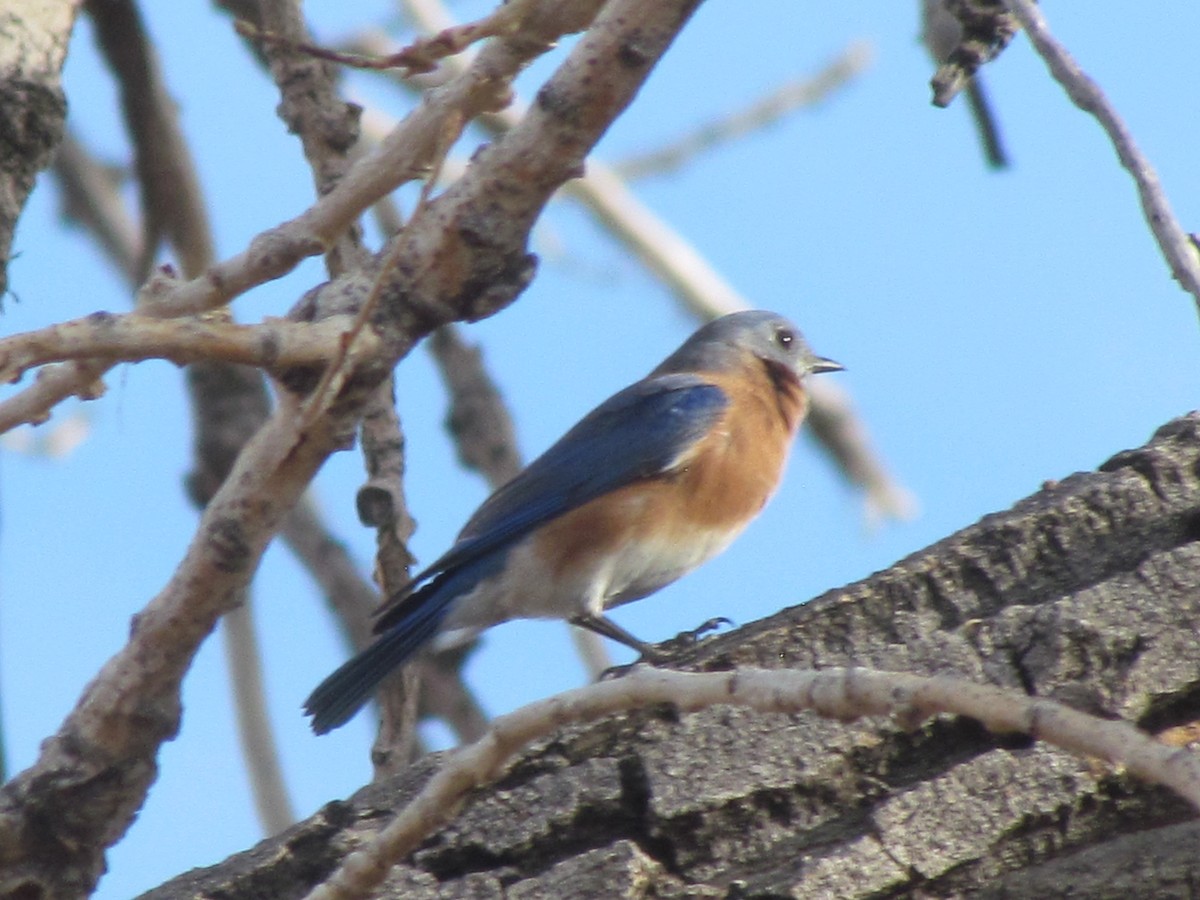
(1088, 591)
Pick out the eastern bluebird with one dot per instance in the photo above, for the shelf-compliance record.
(653, 482)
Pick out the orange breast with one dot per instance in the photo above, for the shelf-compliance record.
(647, 534)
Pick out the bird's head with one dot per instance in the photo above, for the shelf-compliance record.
(725, 343)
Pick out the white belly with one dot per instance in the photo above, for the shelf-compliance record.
(526, 587)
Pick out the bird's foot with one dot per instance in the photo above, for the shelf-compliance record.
(670, 651)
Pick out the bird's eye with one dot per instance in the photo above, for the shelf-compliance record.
(784, 338)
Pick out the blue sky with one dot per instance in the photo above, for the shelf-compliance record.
(998, 329)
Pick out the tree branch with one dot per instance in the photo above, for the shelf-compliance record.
(763, 112)
(1177, 247)
(133, 337)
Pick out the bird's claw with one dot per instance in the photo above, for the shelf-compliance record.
(705, 627)
(614, 672)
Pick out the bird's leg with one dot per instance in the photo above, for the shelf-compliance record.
(653, 654)
(606, 627)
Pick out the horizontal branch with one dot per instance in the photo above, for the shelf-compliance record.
(844, 694)
(132, 337)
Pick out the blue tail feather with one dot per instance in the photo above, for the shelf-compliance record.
(336, 699)
(346, 691)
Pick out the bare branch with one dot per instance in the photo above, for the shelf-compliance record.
(172, 205)
(92, 198)
(843, 694)
(244, 659)
(171, 196)
(479, 420)
(941, 33)
(380, 501)
(312, 109)
(133, 337)
(406, 152)
(420, 56)
(382, 505)
(33, 46)
(54, 384)
(762, 113)
(1177, 247)
(404, 155)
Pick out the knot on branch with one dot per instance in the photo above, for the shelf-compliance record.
(987, 28)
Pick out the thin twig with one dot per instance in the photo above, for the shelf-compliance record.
(228, 404)
(243, 656)
(1177, 247)
(842, 694)
(941, 33)
(380, 501)
(985, 29)
(405, 154)
(382, 505)
(91, 197)
(171, 198)
(352, 340)
(762, 113)
(53, 385)
(313, 109)
(420, 56)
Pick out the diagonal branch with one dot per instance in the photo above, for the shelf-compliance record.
(765, 111)
(172, 206)
(1177, 247)
(418, 57)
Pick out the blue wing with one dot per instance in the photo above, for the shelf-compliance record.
(639, 433)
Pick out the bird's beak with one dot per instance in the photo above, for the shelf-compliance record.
(820, 364)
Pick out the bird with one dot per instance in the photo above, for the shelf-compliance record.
(649, 485)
